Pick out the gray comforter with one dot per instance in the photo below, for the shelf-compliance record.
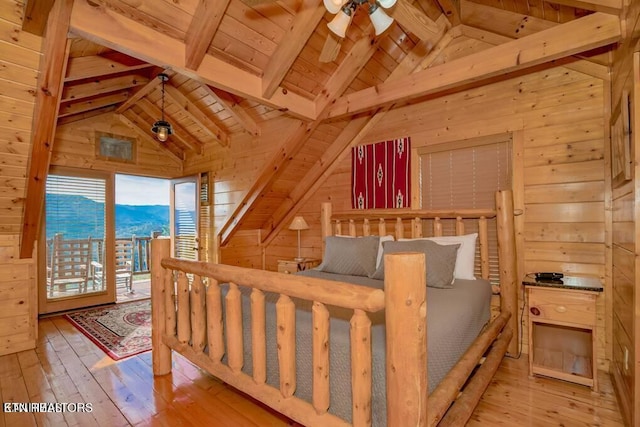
(454, 319)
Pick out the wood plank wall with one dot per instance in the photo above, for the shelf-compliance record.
(74, 146)
(232, 172)
(624, 239)
(20, 53)
(18, 299)
(557, 120)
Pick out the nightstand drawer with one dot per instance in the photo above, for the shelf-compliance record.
(292, 266)
(287, 267)
(571, 307)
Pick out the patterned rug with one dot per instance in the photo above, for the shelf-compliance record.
(120, 330)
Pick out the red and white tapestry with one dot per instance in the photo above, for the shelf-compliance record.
(381, 175)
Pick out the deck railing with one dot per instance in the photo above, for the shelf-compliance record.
(141, 252)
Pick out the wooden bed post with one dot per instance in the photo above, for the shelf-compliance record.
(405, 291)
(325, 222)
(507, 256)
(161, 353)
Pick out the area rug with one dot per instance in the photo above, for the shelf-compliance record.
(120, 330)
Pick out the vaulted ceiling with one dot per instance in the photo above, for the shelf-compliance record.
(236, 64)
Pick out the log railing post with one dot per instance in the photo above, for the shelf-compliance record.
(325, 222)
(161, 353)
(507, 257)
(406, 331)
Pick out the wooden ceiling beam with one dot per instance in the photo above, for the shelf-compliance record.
(203, 27)
(108, 28)
(179, 133)
(498, 26)
(93, 113)
(128, 8)
(568, 39)
(198, 116)
(613, 7)
(356, 59)
(233, 107)
(301, 29)
(414, 20)
(151, 85)
(87, 104)
(102, 86)
(431, 8)
(581, 65)
(89, 67)
(451, 11)
(35, 17)
(135, 122)
(500, 21)
(352, 135)
(50, 82)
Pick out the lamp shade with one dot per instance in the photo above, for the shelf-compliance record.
(299, 223)
(380, 20)
(387, 3)
(333, 6)
(340, 22)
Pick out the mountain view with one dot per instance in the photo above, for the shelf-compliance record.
(78, 217)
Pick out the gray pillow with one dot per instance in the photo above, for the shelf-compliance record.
(441, 260)
(353, 256)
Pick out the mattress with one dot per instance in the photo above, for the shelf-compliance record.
(455, 317)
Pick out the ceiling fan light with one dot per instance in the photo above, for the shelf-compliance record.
(162, 129)
(387, 3)
(333, 6)
(380, 20)
(339, 24)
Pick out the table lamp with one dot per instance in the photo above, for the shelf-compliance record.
(298, 224)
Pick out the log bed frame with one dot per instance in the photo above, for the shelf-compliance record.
(187, 317)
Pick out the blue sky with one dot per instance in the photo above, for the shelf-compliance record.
(136, 190)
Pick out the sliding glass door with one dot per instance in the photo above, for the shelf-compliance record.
(76, 241)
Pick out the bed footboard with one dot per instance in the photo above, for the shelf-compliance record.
(188, 318)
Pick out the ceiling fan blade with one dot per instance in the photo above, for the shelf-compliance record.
(331, 48)
(414, 20)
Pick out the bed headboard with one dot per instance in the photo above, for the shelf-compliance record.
(495, 250)
(405, 223)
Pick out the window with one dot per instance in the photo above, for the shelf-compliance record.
(466, 174)
(75, 232)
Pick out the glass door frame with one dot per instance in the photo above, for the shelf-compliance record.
(195, 179)
(45, 305)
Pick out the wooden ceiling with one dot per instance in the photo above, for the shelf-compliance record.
(233, 67)
(258, 62)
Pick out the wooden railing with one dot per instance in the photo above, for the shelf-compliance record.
(141, 252)
(188, 316)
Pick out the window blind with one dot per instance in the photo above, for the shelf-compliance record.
(467, 175)
(75, 207)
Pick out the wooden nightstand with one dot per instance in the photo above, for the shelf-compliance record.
(290, 266)
(562, 329)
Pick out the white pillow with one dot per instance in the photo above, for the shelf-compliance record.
(387, 238)
(465, 259)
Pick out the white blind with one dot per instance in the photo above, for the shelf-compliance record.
(467, 177)
(75, 207)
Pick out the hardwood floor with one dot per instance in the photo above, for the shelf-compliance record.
(67, 367)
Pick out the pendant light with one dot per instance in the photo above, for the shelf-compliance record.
(162, 128)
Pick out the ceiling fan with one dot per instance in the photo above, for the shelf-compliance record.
(344, 11)
(410, 17)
